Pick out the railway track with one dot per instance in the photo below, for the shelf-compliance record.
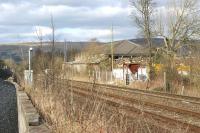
(131, 108)
(187, 114)
(186, 102)
(167, 110)
(146, 92)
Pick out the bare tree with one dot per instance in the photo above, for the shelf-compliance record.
(41, 57)
(143, 19)
(180, 26)
(39, 35)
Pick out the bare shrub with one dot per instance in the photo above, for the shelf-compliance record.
(85, 114)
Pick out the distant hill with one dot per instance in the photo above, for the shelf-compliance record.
(18, 51)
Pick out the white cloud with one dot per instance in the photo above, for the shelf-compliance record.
(79, 19)
(84, 34)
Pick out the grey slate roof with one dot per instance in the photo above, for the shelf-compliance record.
(127, 48)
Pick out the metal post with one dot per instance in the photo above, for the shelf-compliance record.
(29, 62)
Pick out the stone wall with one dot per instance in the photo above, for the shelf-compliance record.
(28, 118)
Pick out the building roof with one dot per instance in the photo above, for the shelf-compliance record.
(126, 48)
(156, 42)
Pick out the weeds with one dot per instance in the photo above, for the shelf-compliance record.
(84, 114)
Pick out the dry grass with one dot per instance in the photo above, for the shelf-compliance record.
(158, 83)
(83, 115)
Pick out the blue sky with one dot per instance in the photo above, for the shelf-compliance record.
(75, 20)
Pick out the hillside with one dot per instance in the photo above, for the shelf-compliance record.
(18, 51)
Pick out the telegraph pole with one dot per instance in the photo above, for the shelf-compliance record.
(111, 46)
(65, 48)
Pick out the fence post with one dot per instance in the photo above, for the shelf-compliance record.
(111, 76)
(167, 85)
(106, 76)
(96, 75)
(182, 91)
(93, 74)
(165, 82)
(99, 75)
